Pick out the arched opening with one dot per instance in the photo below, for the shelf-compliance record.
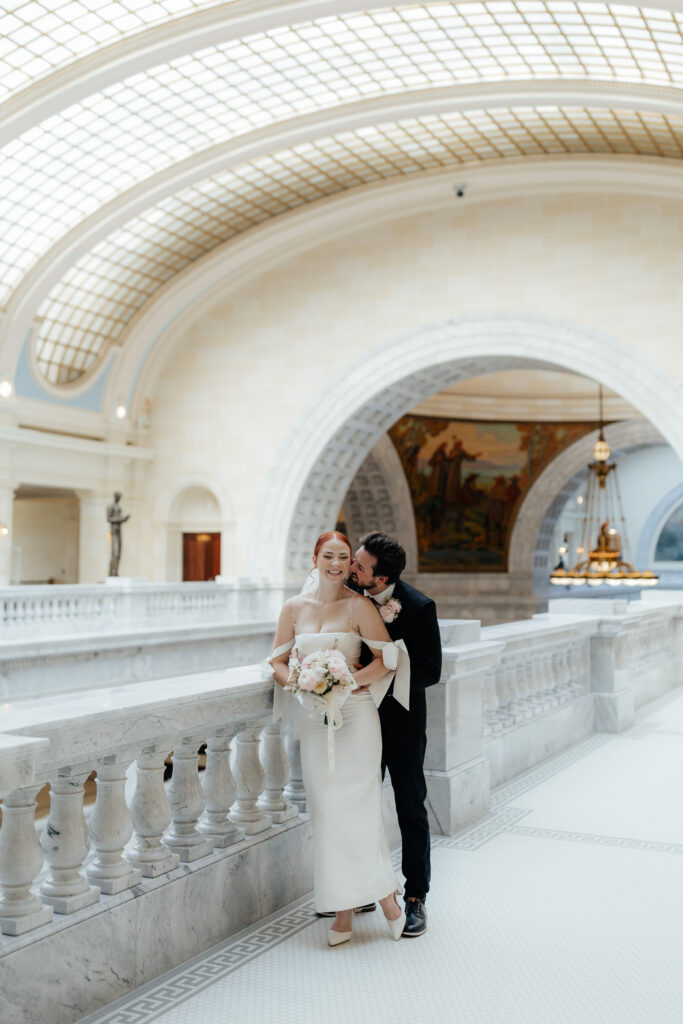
(310, 479)
(194, 535)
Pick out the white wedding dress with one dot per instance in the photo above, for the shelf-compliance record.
(351, 863)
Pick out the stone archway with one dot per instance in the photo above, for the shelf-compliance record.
(379, 499)
(318, 460)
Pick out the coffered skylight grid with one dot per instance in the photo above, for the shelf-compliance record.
(95, 302)
(39, 36)
(73, 163)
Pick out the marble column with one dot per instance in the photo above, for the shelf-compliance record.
(187, 802)
(65, 845)
(21, 859)
(93, 535)
(219, 792)
(151, 814)
(111, 828)
(6, 539)
(276, 770)
(250, 780)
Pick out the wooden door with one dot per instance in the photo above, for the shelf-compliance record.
(201, 556)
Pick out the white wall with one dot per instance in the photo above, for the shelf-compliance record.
(46, 531)
(241, 377)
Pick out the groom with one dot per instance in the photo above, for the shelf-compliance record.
(411, 617)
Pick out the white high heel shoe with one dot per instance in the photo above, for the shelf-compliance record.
(336, 938)
(396, 927)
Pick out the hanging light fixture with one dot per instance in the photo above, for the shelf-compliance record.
(603, 520)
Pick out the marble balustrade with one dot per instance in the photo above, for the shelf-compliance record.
(137, 600)
(526, 690)
(162, 826)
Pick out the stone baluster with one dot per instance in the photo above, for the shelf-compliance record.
(513, 704)
(536, 672)
(503, 712)
(521, 683)
(110, 829)
(491, 723)
(570, 684)
(559, 663)
(535, 701)
(219, 792)
(294, 791)
(573, 664)
(20, 861)
(276, 770)
(65, 845)
(549, 674)
(186, 797)
(151, 814)
(250, 780)
(567, 671)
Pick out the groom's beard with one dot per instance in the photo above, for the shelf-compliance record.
(353, 585)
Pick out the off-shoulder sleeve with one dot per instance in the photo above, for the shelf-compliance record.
(280, 705)
(397, 663)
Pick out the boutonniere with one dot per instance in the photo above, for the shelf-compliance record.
(390, 610)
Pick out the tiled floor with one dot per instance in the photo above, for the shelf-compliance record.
(563, 907)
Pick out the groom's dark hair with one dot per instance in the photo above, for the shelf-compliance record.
(391, 558)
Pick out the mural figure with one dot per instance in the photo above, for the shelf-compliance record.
(464, 518)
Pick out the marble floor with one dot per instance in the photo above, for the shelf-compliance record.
(563, 906)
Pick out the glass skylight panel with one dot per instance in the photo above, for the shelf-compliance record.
(94, 303)
(42, 36)
(72, 164)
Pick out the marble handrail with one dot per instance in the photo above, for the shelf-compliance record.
(234, 600)
(106, 731)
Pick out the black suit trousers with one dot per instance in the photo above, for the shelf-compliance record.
(404, 741)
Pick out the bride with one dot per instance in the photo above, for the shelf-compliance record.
(350, 850)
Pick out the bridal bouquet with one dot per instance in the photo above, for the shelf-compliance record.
(321, 681)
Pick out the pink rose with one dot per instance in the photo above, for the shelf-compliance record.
(389, 611)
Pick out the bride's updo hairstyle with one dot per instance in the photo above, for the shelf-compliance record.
(331, 535)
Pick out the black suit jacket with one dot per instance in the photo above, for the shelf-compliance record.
(416, 624)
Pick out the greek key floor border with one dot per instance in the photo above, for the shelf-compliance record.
(144, 1004)
(621, 842)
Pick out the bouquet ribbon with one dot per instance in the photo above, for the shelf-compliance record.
(334, 721)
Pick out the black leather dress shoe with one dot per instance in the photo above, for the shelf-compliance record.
(367, 908)
(416, 919)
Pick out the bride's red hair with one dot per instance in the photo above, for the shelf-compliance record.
(331, 535)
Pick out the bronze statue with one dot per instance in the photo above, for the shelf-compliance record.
(115, 518)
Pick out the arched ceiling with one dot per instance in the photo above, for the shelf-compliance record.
(112, 156)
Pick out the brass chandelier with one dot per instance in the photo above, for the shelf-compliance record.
(602, 562)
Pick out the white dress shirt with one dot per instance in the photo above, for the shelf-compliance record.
(383, 596)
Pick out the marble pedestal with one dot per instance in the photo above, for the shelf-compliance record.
(457, 797)
(614, 712)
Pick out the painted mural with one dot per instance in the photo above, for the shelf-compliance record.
(468, 480)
